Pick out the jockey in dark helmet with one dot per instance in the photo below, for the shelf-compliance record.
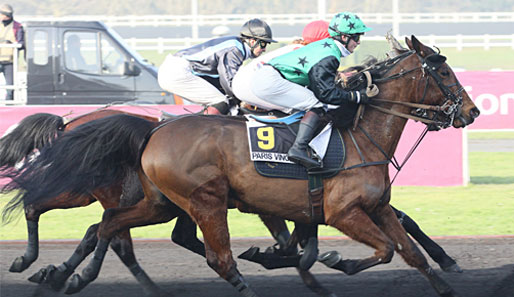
(245, 76)
(257, 34)
(203, 73)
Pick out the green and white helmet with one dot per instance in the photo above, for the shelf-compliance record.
(346, 23)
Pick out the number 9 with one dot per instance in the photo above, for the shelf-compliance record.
(266, 138)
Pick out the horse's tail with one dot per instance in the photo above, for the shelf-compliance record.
(33, 132)
(95, 155)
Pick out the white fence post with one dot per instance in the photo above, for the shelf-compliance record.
(160, 45)
(459, 42)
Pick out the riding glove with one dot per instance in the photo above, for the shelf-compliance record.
(359, 97)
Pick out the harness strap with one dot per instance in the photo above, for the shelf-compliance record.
(316, 198)
(409, 104)
(404, 115)
(356, 145)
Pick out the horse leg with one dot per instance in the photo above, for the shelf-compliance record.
(389, 223)
(208, 206)
(57, 276)
(113, 221)
(31, 252)
(121, 243)
(32, 214)
(184, 234)
(308, 235)
(435, 251)
(279, 231)
(358, 225)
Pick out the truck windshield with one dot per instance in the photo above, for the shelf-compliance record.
(120, 40)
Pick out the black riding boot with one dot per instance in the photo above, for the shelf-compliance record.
(298, 152)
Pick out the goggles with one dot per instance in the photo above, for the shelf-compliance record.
(355, 37)
(263, 44)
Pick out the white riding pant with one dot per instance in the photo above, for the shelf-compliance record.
(269, 85)
(242, 88)
(175, 76)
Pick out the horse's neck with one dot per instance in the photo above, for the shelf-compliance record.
(386, 129)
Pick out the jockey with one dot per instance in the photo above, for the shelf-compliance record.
(203, 73)
(241, 85)
(304, 79)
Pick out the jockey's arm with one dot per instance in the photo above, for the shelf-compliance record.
(322, 77)
(228, 64)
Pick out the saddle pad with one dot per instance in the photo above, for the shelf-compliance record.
(334, 158)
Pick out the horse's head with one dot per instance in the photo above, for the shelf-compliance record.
(457, 108)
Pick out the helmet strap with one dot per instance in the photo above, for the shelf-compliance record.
(340, 39)
(252, 47)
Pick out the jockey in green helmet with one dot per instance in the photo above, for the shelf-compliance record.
(304, 79)
(347, 24)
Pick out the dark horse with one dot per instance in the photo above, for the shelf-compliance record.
(201, 164)
(39, 130)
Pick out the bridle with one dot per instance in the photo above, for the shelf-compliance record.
(450, 108)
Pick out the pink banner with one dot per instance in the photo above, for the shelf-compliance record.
(493, 94)
(11, 115)
(438, 160)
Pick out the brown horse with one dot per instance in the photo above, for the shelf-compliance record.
(39, 130)
(202, 165)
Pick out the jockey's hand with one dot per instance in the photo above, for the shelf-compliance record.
(233, 101)
(364, 99)
(360, 97)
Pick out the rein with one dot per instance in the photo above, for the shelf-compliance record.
(436, 108)
(449, 108)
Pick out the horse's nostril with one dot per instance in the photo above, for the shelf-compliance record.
(474, 112)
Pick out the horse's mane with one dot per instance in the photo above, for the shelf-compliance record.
(343, 116)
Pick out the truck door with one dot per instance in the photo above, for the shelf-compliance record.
(91, 69)
(40, 65)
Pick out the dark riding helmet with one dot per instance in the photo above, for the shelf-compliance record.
(258, 29)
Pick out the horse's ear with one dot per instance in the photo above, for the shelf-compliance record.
(418, 46)
(408, 42)
(396, 47)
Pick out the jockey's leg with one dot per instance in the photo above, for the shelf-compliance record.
(217, 109)
(308, 125)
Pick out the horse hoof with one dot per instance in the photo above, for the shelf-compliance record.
(56, 277)
(455, 268)
(75, 285)
(19, 265)
(39, 276)
(330, 258)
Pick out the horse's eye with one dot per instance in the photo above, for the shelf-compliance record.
(445, 73)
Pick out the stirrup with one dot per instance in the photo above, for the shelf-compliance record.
(307, 163)
(302, 158)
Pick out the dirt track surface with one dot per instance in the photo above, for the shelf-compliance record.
(488, 265)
